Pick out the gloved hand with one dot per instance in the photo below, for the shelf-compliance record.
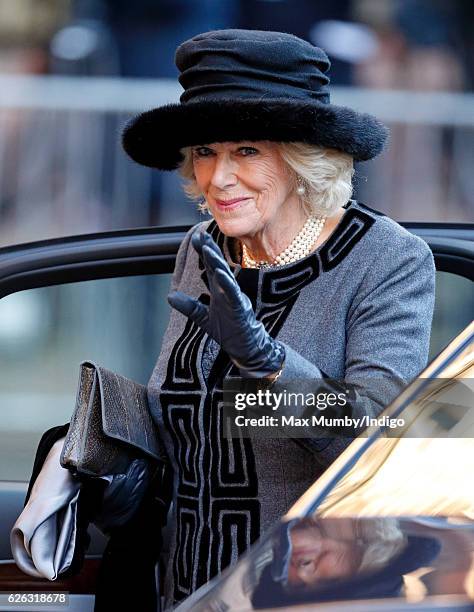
(229, 318)
(124, 493)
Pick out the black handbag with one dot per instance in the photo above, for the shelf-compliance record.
(124, 485)
(133, 547)
(111, 425)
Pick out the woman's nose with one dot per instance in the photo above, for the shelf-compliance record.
(224, 172)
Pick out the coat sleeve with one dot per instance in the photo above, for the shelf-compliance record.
(181, 256)
(387, 337)
(48, 439)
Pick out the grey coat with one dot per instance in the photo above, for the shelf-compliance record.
(360, 307)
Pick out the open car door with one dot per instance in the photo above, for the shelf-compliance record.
(102, 297)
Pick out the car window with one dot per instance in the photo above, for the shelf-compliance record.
(44, 335)
(454, 309)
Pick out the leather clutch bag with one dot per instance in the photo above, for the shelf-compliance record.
(111, 425)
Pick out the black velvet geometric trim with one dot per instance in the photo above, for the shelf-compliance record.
(233, 469)
(219, 368)
(352, 227)
(281, 284)
(227, 492)
(181, 416)
(187, 526)
(181, 372)
(235, 525)
(247, 280)
(202, 549)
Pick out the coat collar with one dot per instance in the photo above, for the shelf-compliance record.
(280, 284)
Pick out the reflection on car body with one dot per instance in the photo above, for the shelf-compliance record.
(389, 524)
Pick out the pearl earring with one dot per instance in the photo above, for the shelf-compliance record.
(204, 208)
(300, 189)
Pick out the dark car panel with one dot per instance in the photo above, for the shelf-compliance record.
(152, 250)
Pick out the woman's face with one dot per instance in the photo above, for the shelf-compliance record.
(317, 556)
(247, 186)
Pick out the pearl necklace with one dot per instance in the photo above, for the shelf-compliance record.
(300, 246)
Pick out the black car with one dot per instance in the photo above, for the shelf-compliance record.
(102, 297)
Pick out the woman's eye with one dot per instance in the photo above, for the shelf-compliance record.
(245, 151)
(202, 151)
(303, 562)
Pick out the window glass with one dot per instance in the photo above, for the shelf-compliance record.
(454, 309)
(45, 333)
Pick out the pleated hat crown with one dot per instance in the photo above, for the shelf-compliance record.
(251, 64)
(250, 85)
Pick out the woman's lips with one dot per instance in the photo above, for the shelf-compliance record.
(229, 204)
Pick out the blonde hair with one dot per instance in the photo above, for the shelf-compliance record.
(382, 539)
(326, 175)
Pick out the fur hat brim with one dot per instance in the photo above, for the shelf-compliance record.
(154, 138)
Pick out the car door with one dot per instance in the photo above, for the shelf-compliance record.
(102, 297)
(61, 302)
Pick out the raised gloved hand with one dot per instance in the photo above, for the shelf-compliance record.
(229, 318)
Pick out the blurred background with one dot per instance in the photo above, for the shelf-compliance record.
(72, 72)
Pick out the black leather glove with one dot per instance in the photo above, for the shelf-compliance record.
(229, 318)
(124, 493)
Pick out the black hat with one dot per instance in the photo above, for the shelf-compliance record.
(250, 85)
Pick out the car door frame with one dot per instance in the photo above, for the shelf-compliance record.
(153, 250)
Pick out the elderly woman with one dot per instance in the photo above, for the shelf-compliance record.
(290, 280)
(335, 559)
